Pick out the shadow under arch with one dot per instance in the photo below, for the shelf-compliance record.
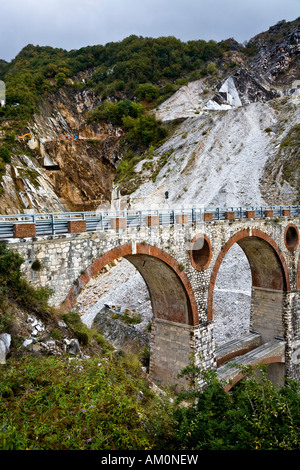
(267, 264)
(171, 294)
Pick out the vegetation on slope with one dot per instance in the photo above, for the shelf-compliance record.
(105, 403)
(121, 67)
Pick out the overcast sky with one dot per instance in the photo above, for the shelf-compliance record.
(71, 24)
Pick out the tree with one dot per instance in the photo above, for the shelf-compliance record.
(147, 92)
(4, 154)
(60, 79)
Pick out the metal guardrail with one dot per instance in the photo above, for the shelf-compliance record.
(57, 223)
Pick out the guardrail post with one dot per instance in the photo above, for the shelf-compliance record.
(76, 226)
(269, 213)
(207, 216)
(24, 230)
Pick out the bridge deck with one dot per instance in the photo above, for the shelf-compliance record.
(273, 351)
(237, 347)
(57, 223)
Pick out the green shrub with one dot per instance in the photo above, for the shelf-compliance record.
(147, 92)
(253, 416)
(114, 112)
(15, 286)
(51, 403)
(4, 154)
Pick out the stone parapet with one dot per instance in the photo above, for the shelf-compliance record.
(24, 230)
(269, 213)
(152, 220)
(118, 223)
(229, 215)
(182, 218)
(207, 216)
(250, 214)
(76, 226)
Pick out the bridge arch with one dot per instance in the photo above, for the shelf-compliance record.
(171, 294)
(270, 361)
(267, 264)
(270, 279)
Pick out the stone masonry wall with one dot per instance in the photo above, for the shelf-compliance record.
(267, 313)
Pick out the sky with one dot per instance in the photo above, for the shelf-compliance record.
(71, 24)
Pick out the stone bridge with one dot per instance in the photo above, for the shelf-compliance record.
(178, 254)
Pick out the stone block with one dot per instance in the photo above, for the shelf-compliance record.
(268, 213)
(182, 218)
(24, 230)
(5, 340)
(152, 220)
(207, 216)
(229, 215)
(76, 226)
(118, 223)
(250, 214)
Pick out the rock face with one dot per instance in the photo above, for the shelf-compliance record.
(111, 323)
(5, 340)
(86, 173)
(278, 57)
(83, 157)
(239, 89)
(72, 164)
(26, 185)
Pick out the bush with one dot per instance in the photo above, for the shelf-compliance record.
(144, 130)
(114, 112)
(60, 79)
(51, 403)
(147, 92)
(4, 154)
(15, 286)
(253, 416)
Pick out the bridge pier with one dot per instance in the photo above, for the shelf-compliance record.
(173, 345)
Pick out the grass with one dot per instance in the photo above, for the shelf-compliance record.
(63, 404)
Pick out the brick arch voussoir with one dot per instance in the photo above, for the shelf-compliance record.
(122, 252)
(234, 239)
